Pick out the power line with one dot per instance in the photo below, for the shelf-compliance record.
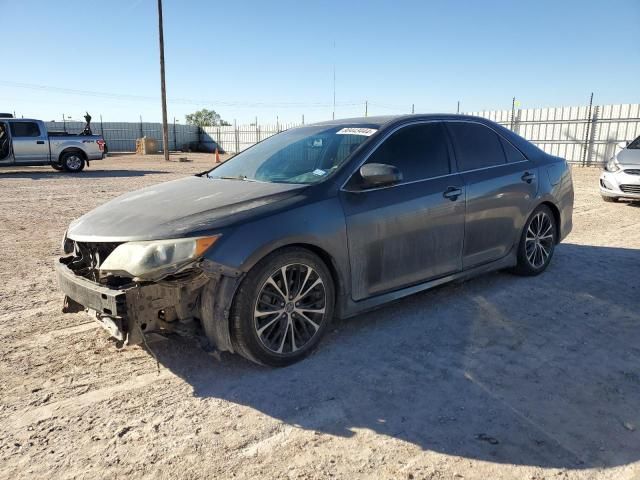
(185, 101)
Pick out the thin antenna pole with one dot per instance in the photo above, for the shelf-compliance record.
(163, 86)
(413, 108)
(334, 81)
(366, 108)
(458, 111)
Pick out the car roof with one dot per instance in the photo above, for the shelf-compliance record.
(18, 119)
(385, 120)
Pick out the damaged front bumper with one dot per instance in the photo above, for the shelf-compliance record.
(198, 303)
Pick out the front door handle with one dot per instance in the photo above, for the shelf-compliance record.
(528, 177)
(40, 142)
(452, 193)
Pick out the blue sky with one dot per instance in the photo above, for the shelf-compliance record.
(275, 59)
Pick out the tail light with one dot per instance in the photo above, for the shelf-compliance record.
(101, 144)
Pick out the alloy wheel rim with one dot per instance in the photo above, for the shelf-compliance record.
(290, 308)
(539, 240)
(74, 162)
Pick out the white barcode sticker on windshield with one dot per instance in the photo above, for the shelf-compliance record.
(367, 132)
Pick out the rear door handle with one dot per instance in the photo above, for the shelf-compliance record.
(40, 142)
(452, 193)
(528, 177)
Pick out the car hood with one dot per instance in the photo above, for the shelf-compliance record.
(628, 156)
(176, 209)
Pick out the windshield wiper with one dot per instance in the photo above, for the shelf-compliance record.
(243, 178)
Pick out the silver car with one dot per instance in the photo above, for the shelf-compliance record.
(621, 176)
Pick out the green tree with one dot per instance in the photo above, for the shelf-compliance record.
(205, 118)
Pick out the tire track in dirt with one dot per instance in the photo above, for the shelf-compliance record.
(73, 405)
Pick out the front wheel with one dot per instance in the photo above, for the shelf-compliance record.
(282, 308)
(57, 166)
(537, 243)
(72, 162)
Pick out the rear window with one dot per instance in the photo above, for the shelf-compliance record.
(25, 129)
(511, 152)
(476, 146)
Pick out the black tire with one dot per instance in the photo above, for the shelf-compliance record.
(539, 238)
(256, 337)
(72, 162)
(57, 166)
(610, 199)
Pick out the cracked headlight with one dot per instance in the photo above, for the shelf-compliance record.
(153, 259)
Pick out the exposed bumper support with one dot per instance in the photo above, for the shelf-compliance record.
(128, 313)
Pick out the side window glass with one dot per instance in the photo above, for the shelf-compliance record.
(24, 129)
(418, 151)
(476, 146)
(511, 152)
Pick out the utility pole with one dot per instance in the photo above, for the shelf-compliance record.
(458, 111)
(366, 108)
(163, 87)
(413, 108)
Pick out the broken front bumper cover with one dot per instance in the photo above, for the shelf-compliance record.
(128, 313)
(107, 305)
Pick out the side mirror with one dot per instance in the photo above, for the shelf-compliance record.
(379, 175)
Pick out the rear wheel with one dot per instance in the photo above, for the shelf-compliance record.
(610, 199)
(72, 162)
(282, 308)
(537, 243)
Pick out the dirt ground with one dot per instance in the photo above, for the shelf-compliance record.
(500, 377)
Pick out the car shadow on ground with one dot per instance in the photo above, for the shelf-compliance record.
(84, 175)
(538, 371)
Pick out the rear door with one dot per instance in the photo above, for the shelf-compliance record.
(30, 142)
(501, 186)
(410, 232)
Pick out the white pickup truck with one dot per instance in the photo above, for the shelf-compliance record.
(27, 142)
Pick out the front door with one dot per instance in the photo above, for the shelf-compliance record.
(501, 186)
(410, 232)
(6, 155)
(30, 144)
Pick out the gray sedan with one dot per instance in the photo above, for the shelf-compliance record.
(258, 255)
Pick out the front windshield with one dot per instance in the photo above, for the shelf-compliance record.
(300, 155)
(635, 145)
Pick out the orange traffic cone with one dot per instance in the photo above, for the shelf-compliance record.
(217, 155)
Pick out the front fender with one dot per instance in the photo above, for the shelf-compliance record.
(320, 225)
